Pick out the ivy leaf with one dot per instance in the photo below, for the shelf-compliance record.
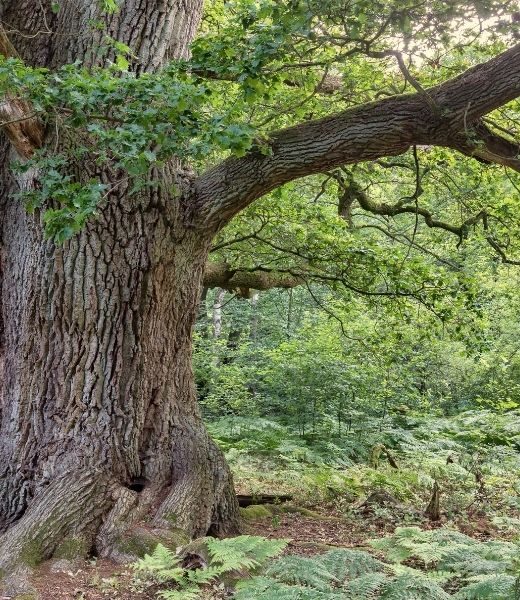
(122, 63)
(109, 6)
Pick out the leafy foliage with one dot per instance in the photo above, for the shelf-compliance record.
(483, 569)
(242, 553)
(491, 587)
(338, 575)
(354, 575)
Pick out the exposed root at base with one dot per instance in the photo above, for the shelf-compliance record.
(89, 512)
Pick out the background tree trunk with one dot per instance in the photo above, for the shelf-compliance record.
(99, 421)
(217, 312)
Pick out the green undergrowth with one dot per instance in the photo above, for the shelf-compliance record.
(228, 559)
(412, 564)
(473, 457)
(447, 564)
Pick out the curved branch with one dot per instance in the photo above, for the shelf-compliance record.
(221, 275)
(382, 128)
(485, 145)
(352, 192)
(392, 210)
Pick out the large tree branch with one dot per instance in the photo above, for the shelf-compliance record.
(443, 115)
(241, 281)
(485, 145)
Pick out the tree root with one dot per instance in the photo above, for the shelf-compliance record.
(89, 512)
(69, 509)
(203, 500)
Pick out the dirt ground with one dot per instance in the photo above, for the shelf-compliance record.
(103, 579)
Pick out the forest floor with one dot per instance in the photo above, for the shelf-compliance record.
(308, 534)
(349, 506)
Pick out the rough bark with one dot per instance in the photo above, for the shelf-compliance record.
(242, 281)
(99, 424)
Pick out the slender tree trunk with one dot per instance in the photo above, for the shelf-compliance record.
(99, 420)
(254, 321)
(202, 316)
(217, 312)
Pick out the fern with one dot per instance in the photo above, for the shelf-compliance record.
(447, 550)
(338, 575)
(479, 558)
(411, 587)
(301, 571)
(330, 570)
(191, 593)
(265, 588)
(491, 587)
(230, 555)
(243, 552)
(483, 568)
(366, 586)
(410, 542)
(349, 564)
(163, 564)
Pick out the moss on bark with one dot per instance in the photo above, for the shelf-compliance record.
(255, 511)
(72, 548)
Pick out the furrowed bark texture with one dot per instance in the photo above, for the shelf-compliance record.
(97, 398)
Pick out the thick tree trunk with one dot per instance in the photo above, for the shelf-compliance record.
(98, 380)
(99, 424)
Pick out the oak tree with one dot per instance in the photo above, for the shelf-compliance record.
(115, 183)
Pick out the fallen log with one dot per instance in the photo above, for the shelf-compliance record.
(250, 499)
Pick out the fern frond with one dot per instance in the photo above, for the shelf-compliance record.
(243, 552)
(191, 593)
(264, 588)
(409, 587)
(493, 587)
(346, 564)
(163, 563)
(202, 576)
(300, 571)
(365, 587)
(479, 558)
(408, 542)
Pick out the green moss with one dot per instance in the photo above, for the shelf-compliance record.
(173, 538)
(305, 512)
(26, 597)
(141, 541)
(72, 548)
(172, 519)
(137, 543)
(31, 555)
(255, 511)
